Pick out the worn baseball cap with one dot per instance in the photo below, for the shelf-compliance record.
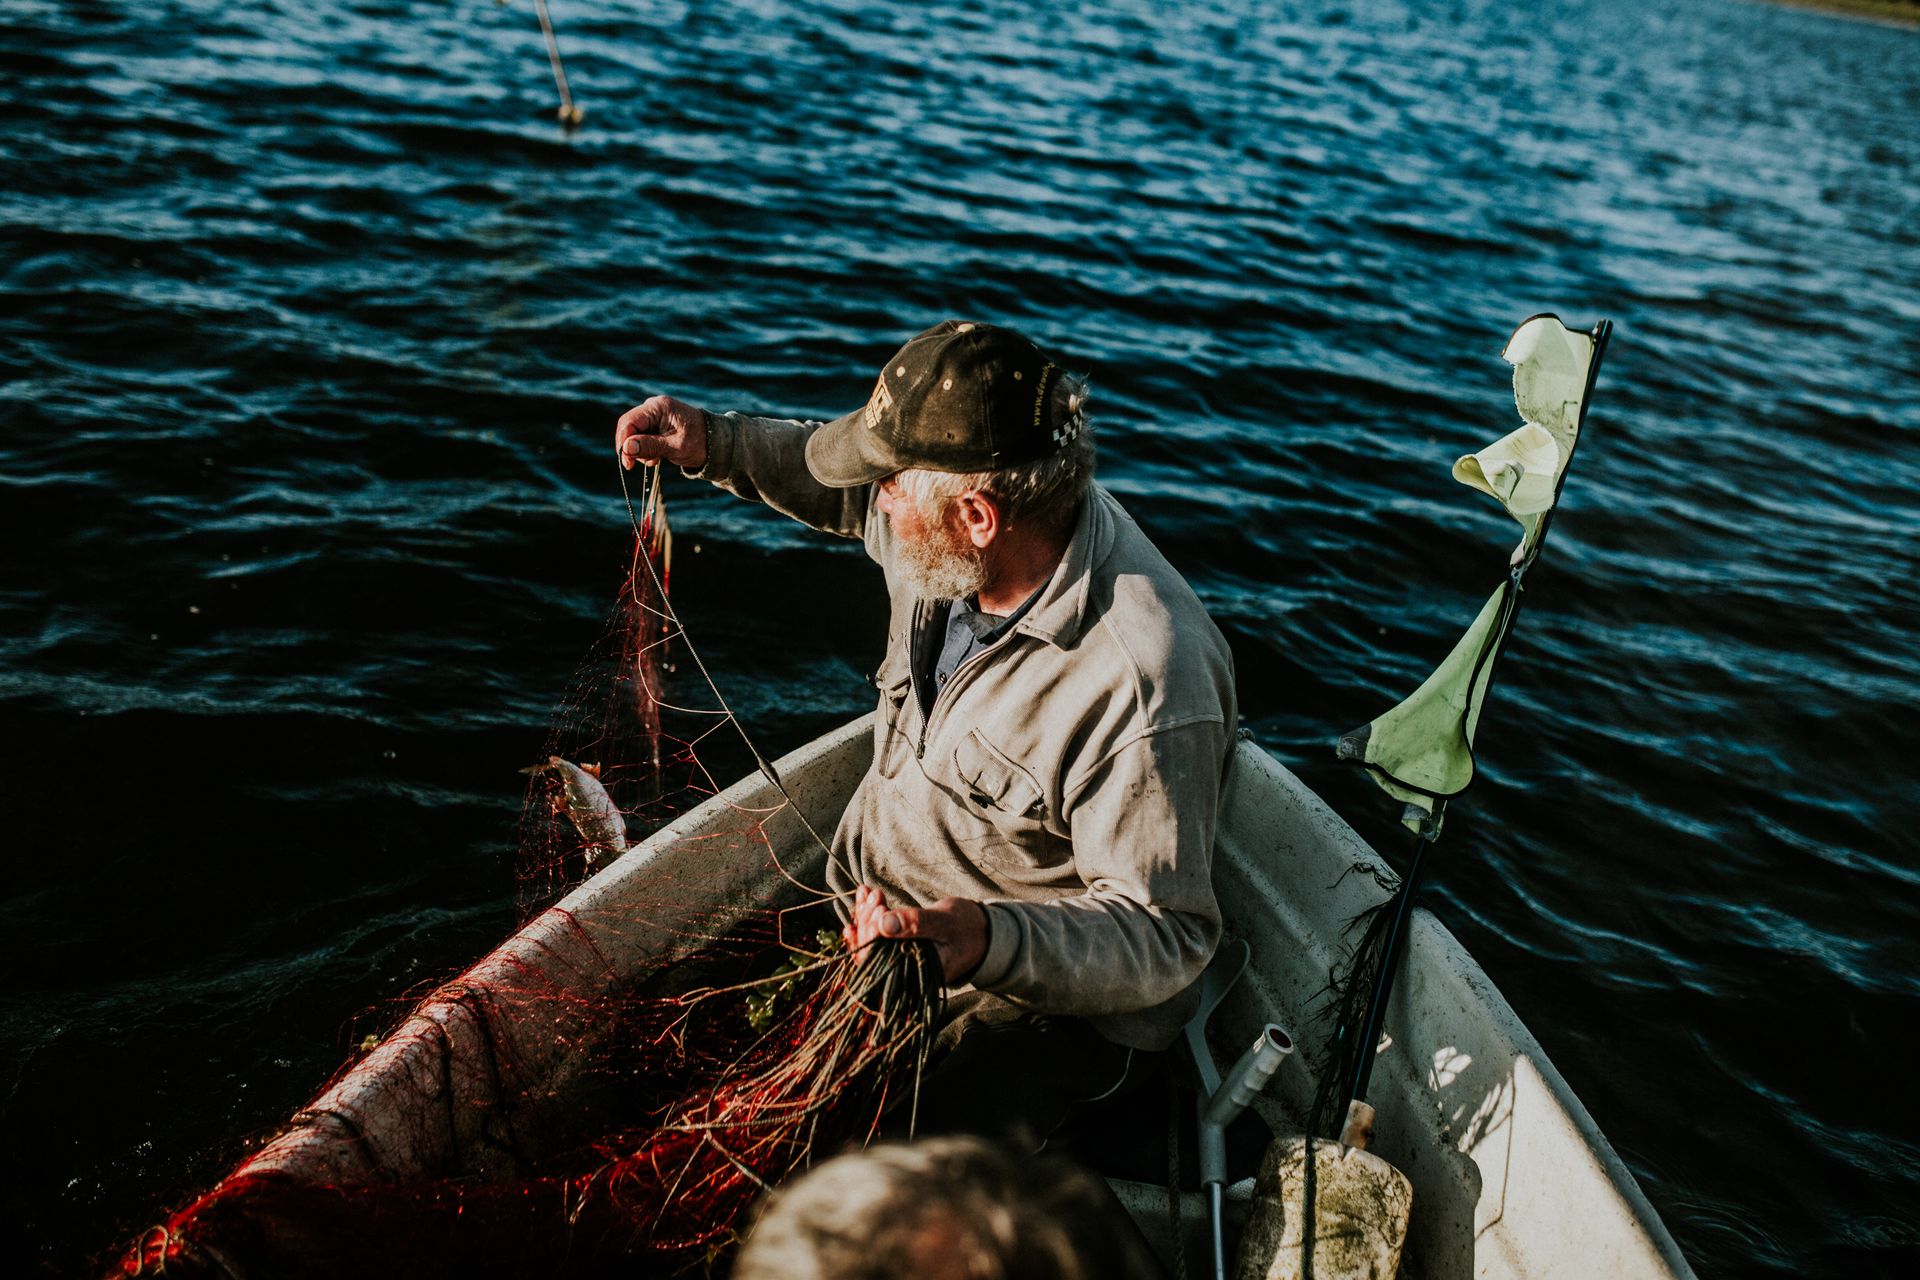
(959, 397)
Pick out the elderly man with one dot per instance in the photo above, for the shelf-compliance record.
(1056, 715)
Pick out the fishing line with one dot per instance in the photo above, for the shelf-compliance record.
(672, 615)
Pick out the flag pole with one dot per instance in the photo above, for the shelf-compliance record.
(1357, 1128)
(1421, 751)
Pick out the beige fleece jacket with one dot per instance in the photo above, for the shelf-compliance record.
(1068, 777)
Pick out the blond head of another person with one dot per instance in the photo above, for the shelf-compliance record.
(944, 1209)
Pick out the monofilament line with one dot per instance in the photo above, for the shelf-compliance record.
(760, 762)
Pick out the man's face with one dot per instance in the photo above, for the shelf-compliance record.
(937, 561)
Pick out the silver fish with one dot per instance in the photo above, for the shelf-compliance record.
(590, 809)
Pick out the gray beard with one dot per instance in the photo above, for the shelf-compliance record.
(934, 569)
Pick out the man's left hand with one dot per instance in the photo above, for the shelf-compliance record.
(957, 928)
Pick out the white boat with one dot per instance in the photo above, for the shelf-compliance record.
(1511, 1176)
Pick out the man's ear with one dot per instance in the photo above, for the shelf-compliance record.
(980, 517)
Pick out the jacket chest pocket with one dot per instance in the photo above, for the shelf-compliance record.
(994, 783)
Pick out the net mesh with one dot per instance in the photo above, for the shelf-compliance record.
(611, 1089)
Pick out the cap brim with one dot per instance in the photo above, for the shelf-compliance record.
(845, 453)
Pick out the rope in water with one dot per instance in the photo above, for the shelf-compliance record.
(568, 112)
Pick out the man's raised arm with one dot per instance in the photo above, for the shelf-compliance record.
(763, 459)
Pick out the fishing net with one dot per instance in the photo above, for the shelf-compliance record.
(610, 1090)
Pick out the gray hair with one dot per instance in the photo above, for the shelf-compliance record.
(1044, 492)
(944, 1209)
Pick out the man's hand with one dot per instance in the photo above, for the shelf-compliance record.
(957, 928)
(662, 428)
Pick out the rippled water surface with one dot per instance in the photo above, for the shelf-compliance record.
(315, 325)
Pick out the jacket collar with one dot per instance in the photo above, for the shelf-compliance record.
(1060, 613)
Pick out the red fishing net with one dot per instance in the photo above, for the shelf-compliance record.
(610, 1090)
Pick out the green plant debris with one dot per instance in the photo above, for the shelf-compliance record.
(763, 1005)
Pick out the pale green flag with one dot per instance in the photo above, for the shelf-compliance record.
(1421, 752)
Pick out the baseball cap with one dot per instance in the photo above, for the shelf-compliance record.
(960, 397)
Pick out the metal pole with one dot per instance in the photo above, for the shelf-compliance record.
(1383, 978)
(1216, 1211)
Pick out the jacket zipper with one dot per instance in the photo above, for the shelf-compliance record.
(913, 677)
(926, 721)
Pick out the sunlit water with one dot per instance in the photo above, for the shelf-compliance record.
(316, 325)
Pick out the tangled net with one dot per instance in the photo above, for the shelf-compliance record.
(610, 1091)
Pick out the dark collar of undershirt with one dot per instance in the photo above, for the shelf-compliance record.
(987, 627)
(965, 631)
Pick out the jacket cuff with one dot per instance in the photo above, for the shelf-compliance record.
(722, 432)
(1003, 947)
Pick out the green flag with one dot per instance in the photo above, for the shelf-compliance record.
(1421, 752)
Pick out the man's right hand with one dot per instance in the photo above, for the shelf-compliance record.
(662, 428)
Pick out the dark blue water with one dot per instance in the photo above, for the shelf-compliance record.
(315, 329)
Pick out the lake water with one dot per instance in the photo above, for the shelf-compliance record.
(316, 325)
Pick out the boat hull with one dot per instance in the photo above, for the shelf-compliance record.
(1511, 1176)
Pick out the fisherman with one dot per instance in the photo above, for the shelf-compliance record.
(1056, 716)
